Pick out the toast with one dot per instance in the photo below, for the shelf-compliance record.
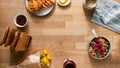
(10, 37)
(18, 42)
(5, 34)
(23, 42)
(17, 34)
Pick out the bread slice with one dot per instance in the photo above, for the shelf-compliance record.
(5, 34)
(39, 5)
(10, 37)
(23, 42)
(14, 42)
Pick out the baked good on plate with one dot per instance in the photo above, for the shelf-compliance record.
(39, 5)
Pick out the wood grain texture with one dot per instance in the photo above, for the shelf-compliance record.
(65, 33)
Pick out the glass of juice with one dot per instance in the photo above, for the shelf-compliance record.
(68, 63)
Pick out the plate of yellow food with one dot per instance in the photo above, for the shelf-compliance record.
(63, 2)
(40, 7)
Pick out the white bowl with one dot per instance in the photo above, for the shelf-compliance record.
(101, 57)
(90, 4)
(15, 19)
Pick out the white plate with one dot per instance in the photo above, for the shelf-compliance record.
(41, 13)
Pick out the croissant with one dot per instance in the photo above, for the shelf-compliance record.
(38, 5)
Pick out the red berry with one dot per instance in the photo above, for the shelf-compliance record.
(102, 53)
(98, 41)
(98, 45)
(102, 49)
(96, 48)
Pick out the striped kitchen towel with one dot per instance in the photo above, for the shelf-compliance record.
(107, 14)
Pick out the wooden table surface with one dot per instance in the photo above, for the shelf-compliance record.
(65, 33)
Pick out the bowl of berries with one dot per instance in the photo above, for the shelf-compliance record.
(99, 48)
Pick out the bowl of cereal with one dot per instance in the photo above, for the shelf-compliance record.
(99, 48)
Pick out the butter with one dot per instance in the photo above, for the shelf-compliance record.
(62, 1)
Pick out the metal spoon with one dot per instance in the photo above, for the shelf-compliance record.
(93, 31)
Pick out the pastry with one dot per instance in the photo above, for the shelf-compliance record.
(5, 34)
(23, 42)
(38, 5)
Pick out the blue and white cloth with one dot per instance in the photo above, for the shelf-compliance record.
(107, 14)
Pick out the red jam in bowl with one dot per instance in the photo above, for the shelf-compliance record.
(21, 20)
(69, 64)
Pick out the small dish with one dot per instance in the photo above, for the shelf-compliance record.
(20, 20)
(65, 2)
(99, 48)
(90, 4)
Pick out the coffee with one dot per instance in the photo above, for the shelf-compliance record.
(91, 3)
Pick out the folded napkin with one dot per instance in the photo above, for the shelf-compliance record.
(107, 14)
